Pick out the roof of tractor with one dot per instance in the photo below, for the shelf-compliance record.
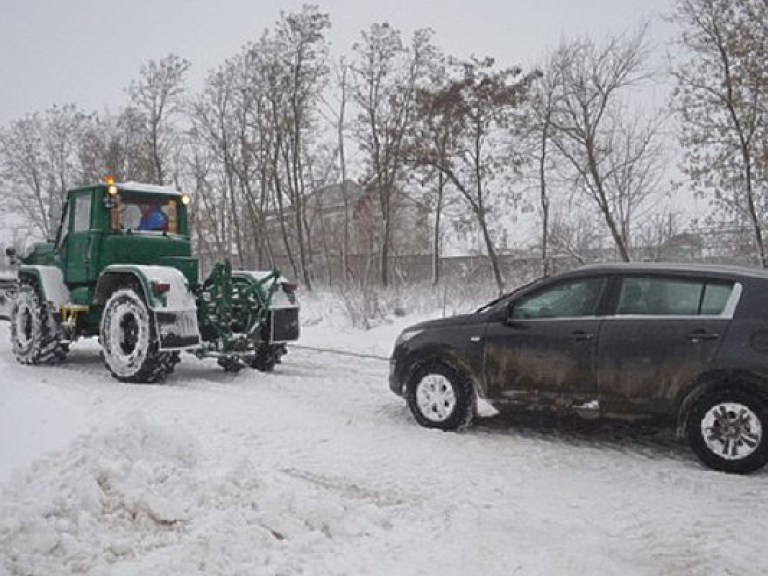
(141, 188)
(148, 188)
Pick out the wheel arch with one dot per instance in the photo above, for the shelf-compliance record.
(434, 406)
(112, 280)
(173, 309)
(142, 277)
(446, 356)
(709, 382)
(49, 283)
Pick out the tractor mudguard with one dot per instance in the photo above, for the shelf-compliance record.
(50, 283)
(167, 295)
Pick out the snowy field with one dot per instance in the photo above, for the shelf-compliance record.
(317, 469)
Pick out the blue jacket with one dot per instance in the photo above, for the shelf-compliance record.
(155, 220)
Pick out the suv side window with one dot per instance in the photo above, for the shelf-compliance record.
(672, 297)
(566, 300)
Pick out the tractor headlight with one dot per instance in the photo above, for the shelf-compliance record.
(186, 199)
(111, 186)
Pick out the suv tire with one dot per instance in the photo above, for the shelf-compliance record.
(727, 430)
(440, 396)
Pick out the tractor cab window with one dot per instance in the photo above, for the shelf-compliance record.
(150, 213)
(82, 219)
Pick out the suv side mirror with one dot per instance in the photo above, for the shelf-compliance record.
(509, 315)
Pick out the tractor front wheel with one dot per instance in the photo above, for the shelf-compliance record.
(129, 340)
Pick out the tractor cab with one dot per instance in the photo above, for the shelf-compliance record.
(126, 223)
(140, 209)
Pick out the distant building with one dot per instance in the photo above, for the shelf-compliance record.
(684, 247)
(325, 218)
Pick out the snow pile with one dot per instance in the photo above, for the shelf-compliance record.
(141, 499)
(318, 469)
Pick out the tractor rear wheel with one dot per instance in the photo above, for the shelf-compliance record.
(169, 360)
(230, 364)
(267, 355)
(35, 333)
(129, 339)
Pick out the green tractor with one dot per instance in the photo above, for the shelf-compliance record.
(121, 269)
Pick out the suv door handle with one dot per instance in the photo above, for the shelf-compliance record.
(702, 336)
(581, 336)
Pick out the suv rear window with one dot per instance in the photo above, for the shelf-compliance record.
(672, 297)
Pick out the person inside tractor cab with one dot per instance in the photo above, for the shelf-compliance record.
(153, 218)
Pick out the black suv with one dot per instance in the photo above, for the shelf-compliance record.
(681, 344)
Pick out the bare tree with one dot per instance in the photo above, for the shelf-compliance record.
(98, 150)
(301, 40)
(290, 66)
(129, 149)
(64, 129)
(256, 117)
(386, 75)
(40, 162)
(634, 171)
(574, 235)
(722, 100)
(209, 214)
(342, 82)
(24, 171)
(481, 110)
(543, 100)
(215, 117)
(611, 151)
(661, 237)
(157, 95)
(433, 130)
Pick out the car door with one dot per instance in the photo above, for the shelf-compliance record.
(543, 351)
(664, 332)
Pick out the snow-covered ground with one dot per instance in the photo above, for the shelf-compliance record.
(317, 469)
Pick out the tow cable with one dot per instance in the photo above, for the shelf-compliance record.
(341, 352)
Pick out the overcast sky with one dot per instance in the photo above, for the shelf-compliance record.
(87, 51)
